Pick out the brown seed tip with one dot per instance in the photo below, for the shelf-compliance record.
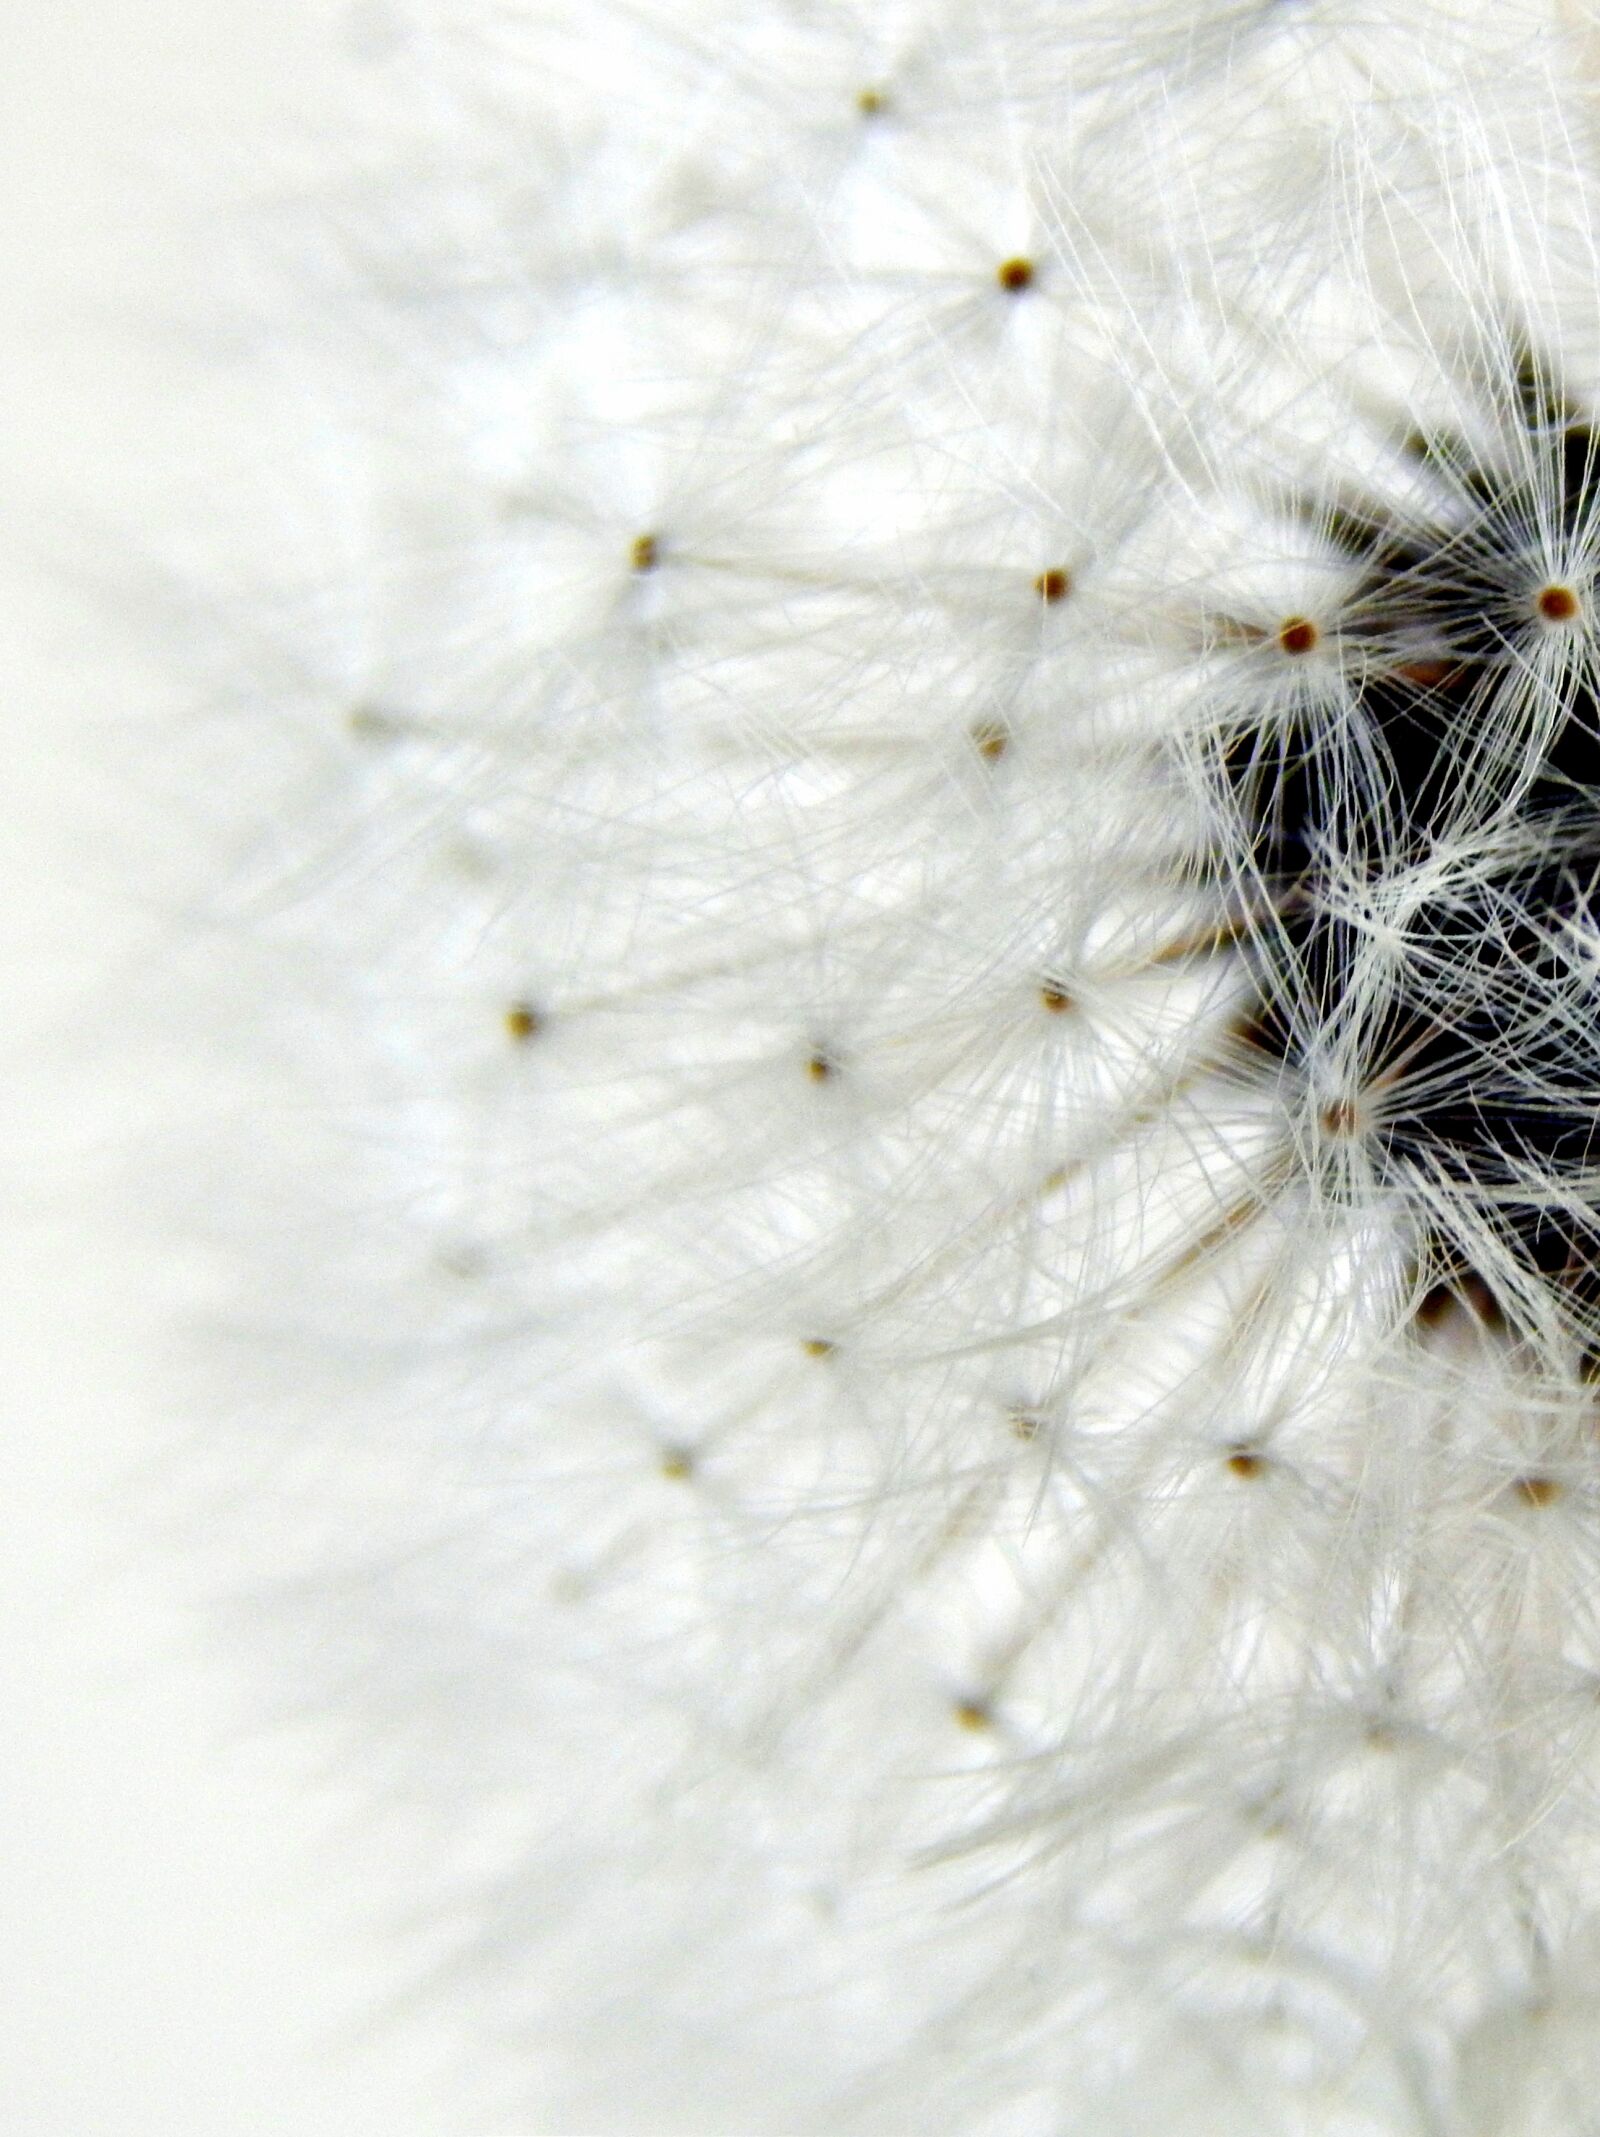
(677, 1463)
(989, 739)
(821, 1066)
(1537, 1490)
(1556, 604)
(1055, 998)
(1025, 1426)
(870, 102)
(1341, 1116)
(1014, 274)
(522, 1022)
(645, 554)
(1297, 634)
(819, 1347)
(1245, 1462)
(1053, 585)
(973, 1714)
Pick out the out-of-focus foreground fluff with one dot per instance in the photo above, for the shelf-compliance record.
(923, 1219)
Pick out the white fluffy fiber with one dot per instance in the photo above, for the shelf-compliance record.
(876, 1500)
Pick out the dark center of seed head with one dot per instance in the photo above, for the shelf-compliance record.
(1431, 743)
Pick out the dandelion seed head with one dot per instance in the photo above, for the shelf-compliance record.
(1052, 1104)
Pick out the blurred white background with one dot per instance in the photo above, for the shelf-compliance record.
(180, 1939)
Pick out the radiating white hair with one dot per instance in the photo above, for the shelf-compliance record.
(935, 989)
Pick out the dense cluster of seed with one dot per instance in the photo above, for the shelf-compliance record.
(1426, 834)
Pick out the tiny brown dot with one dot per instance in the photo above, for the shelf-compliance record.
(1537, 1490)
(1015, 274)
(1245, 1462)
(522, 1022)
(973, 1714)
(1025, 1426)
(871, 102)
(820, 1067)
(645, 554)
(819, 1347)
(989, 739)
(1341, 1116)
(1053, 585)
(677, 1463)
(1055, 998)
(1297, 634)
(1557, 604)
